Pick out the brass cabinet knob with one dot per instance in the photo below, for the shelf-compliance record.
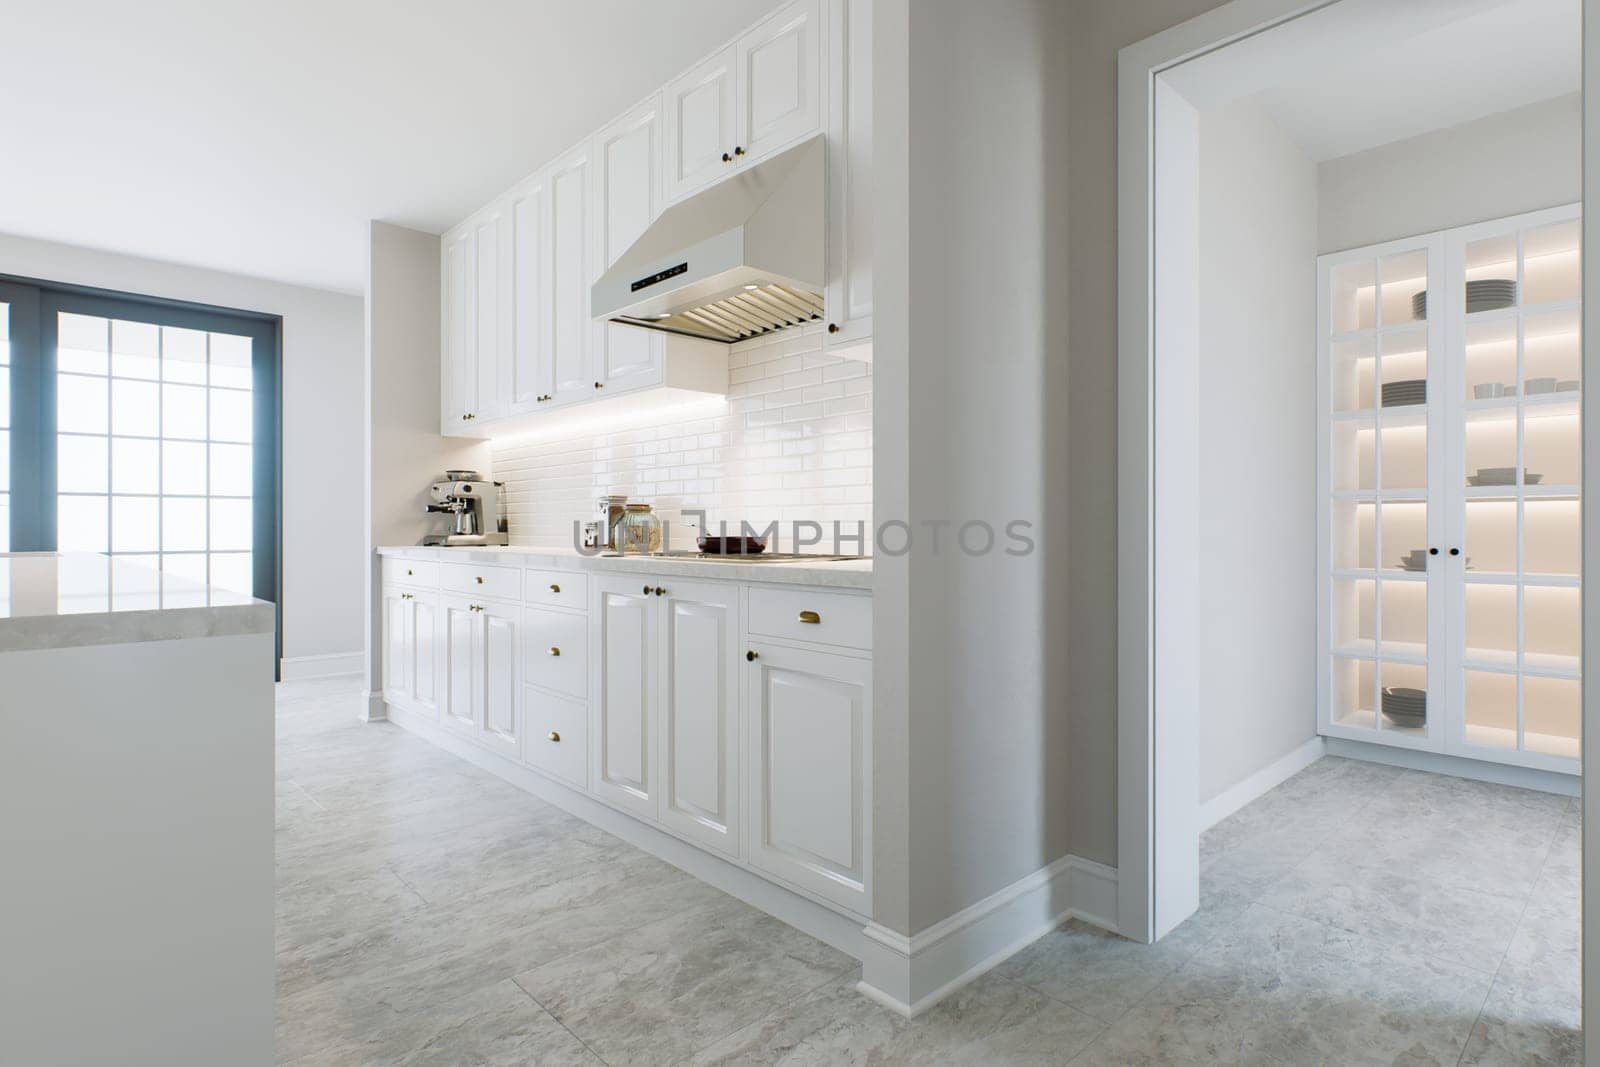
(752, 655)
(599, 385)
(552, 735)
(554, 588)
(833, 327)
(727, 158)
(554, 651)
(738, 150)
(408, 572)
(660, 591)
(810, 616)
(478, 578)
(647, 590)
(475, 607)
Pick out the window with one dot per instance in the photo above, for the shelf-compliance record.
(140, 429)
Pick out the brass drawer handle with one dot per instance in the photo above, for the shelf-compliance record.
(555, 588)
(552, 735)
(405, 596)
(554, 651)
(810, 616)
(478, 578)
(475, 607)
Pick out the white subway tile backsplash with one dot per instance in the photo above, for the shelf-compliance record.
(792, 443)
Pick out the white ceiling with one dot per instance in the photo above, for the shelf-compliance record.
(1363, 73)
(261, 138)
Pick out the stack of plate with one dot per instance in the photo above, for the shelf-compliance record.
(1405, 707)
(1485, 294)
(1503, 476)
(1402, 393)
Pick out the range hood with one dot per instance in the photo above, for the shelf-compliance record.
(740, 259)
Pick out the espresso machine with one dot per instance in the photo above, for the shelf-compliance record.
(474, 507)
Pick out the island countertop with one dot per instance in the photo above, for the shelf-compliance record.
(853, 573)
(65, 600)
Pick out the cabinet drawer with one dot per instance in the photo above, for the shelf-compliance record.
(423, 572)
(475, 579)
(557, 645)
(804, 615)
(556, 742)
(558, 589)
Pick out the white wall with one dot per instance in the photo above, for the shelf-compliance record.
(1504, 164)
(792, 441)
(403, 449)
(1257, 454)
(323, 396)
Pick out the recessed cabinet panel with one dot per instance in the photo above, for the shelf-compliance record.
(498, 652)
(459, 370)
(396, 647)
(571, 326)
(557, 645)
(700, 725)
(779, 80)
(528, 373)
(628, 192)
(556, 732)
(699, 107)
(848, 293)
(460, 663)
(624, 637)
(485, 400)
(809, 761)
(424, 638)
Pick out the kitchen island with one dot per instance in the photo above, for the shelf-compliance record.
(136, 815)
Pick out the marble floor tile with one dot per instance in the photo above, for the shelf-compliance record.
(1277, 988)
(991, 1021)
(1527, 1024)
(664, 991)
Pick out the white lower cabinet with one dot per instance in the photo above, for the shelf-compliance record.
(411, 649)
(557, 732)
(808, 717)
(623, 625)
(699, 713)
(480, 660)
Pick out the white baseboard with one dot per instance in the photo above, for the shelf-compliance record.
(299, 668)
(373, 708)
(1567, 785)
(826, 925)
(911, 974)
(1273, 774)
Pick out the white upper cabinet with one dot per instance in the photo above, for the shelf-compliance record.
(571, 219)
(700, 124)
(779, 82)
(458, 370)
(527, 374)
(471, 321)
(847, 295)
(628, 194)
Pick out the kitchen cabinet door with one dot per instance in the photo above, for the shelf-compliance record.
(847, 293)
(623, 635)
(779, 82)
(571, 222)
(699, 727)
(700, 124)
(423, 667)
(487, 301)
(496, 651)
(398, 643)
(526, 374)
(462, 690)
(627, 198)
(458, 367)
(808, 716)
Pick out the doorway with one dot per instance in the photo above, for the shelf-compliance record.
(1280, 623)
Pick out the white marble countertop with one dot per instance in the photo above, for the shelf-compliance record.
(838, 574)
(62, 600)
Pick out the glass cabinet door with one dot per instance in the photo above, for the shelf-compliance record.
(1516, 469)
(1382, 615)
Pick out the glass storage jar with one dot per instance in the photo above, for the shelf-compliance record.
(638, 530)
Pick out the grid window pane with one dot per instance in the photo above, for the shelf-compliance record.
(81, 343)
(190, 565)
(232, 570)
(183, 524)
(135, 350)
(135, 408)
(135, 524)
(230, 525)
(135, 465)
(183, 467)
(230, 360)
(183, 355)
(231, 473)
(81, 464)
(81, 523)
(230, 415)
(5, 463)
(80, 404)
(183, 411)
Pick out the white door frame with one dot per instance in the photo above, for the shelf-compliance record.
(1157, 805)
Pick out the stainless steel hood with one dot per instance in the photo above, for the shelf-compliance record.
(742, 258)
